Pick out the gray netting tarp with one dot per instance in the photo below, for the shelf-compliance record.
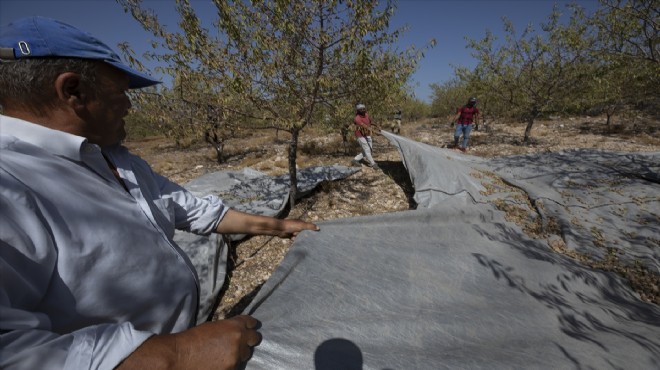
(249, 191)
(455, 285)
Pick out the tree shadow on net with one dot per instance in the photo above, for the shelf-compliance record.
(606, 295)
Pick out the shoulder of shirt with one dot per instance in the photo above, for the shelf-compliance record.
(54, 141)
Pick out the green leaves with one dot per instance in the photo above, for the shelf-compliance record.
(280, 63)
(568, 65)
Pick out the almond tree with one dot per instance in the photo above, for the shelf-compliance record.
(534, 73)
(629, 29)
(628, 51)
(288, 62)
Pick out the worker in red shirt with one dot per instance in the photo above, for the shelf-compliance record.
(363, 129)
(465, 117)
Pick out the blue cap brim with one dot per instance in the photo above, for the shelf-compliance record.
(136, 80)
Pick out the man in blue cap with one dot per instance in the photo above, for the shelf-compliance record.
(91, 276)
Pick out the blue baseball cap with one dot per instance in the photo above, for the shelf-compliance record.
(41, 37)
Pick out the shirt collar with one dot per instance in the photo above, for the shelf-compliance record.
(54, 141)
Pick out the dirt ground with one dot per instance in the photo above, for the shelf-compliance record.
(372, 191)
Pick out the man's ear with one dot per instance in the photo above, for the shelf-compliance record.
(69, 90)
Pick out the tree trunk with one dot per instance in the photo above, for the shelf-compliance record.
(534, 112)
(293, 175)
(528, 129)
(218, 152)
(211, 137)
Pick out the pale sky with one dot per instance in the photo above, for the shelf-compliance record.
(448, 21)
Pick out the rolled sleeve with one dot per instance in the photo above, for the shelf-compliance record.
(168, 204)
(95, 347)
(193, 214)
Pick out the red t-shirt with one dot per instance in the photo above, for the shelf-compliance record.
(467, 114)
(365, 120)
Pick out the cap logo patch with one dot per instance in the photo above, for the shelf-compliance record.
(24, 48)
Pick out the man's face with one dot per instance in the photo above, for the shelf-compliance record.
(106, 109)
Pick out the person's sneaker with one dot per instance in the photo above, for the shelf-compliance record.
(374, 166)
(355, 163)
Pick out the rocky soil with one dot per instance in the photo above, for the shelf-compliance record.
(384, 190)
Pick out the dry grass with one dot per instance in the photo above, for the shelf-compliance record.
(389, 189)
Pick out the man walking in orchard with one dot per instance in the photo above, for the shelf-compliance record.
(363, 129)
(466, 116)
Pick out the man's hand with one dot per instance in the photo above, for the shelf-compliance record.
(364, 129)
(291, 228)
(220, 345)
(236, 222)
